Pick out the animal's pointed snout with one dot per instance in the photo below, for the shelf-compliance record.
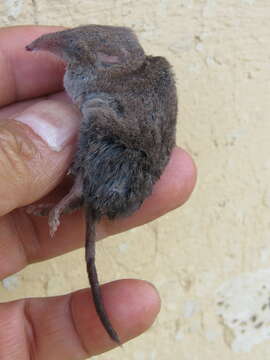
(29, 47)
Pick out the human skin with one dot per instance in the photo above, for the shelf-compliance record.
(56, 327)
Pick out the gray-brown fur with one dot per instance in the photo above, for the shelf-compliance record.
(129, 106)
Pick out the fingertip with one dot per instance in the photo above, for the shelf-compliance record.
(132, 307)
(37, 146)
(174, 186)
(183, 174)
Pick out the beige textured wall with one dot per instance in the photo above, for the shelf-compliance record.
(206, 258)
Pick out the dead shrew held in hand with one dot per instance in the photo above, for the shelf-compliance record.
(128, 104)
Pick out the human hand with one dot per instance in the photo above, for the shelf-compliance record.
(37, 140)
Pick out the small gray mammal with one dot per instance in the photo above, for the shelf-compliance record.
(128, 104)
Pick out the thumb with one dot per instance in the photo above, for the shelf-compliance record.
(36, 148)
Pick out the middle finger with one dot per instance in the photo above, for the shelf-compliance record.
(25, 238)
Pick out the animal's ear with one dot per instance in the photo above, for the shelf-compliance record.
(107, 60)
(122, 59)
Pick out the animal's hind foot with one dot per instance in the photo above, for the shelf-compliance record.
(71, 202)
(39, 209)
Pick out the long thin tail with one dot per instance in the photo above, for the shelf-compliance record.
(92, 274)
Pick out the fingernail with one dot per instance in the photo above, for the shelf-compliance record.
(54, 121)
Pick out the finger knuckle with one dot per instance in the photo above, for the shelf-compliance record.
(16, 150)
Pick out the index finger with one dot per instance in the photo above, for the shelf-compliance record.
(24, 75)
